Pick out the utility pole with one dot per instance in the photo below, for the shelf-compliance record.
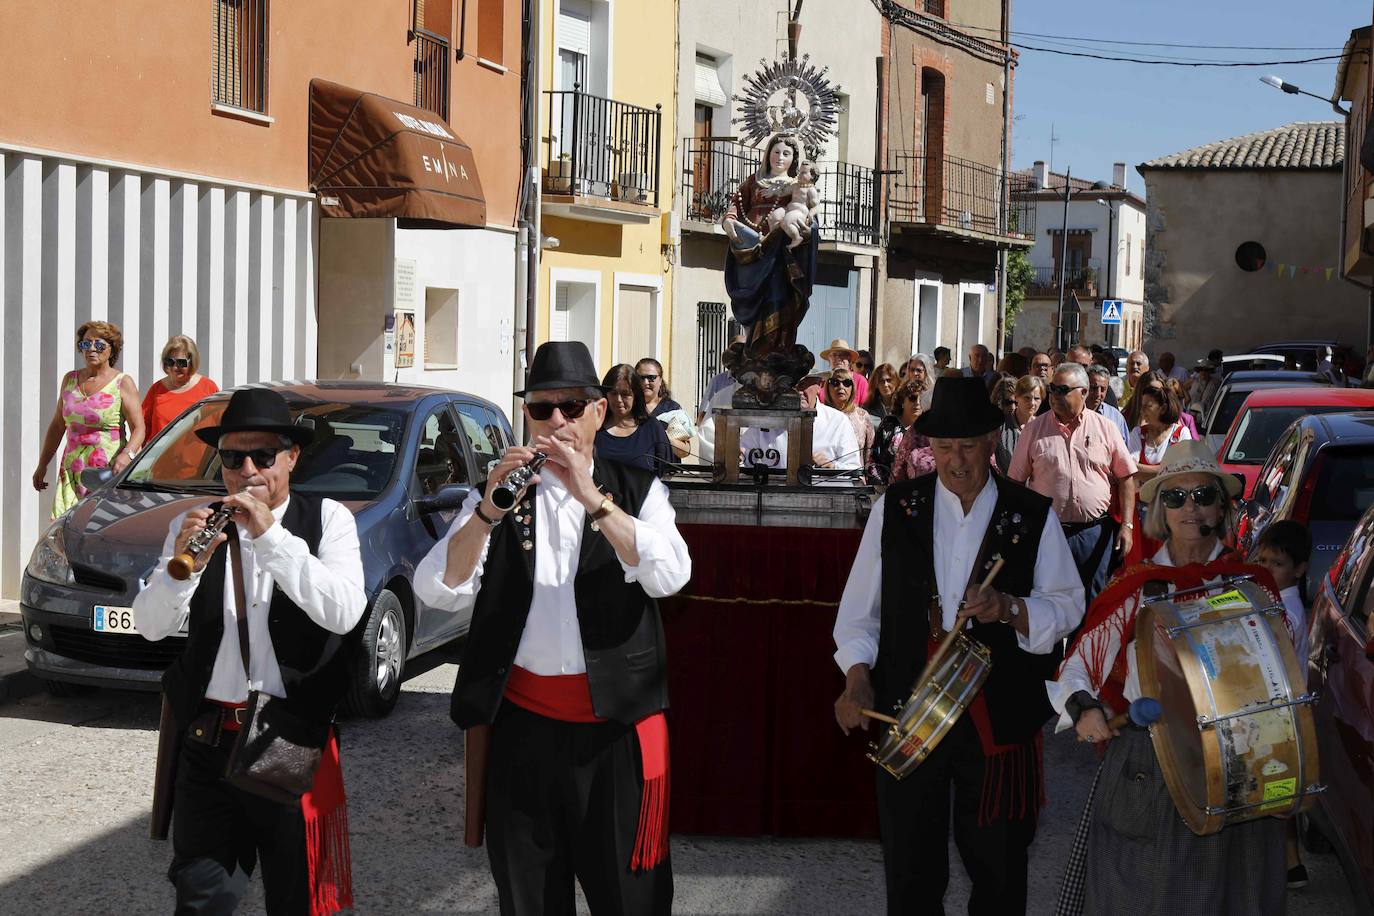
(1063, 262)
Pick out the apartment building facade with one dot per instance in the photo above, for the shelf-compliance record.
(157, 174)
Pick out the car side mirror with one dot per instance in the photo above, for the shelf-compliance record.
(94, 478)
(448, 497)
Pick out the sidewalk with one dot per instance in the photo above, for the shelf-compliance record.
(15, 680)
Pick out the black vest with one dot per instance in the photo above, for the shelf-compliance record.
(622, 634)
(314, 662)
(1015, 690)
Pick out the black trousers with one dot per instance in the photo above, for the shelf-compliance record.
(219, 833)
(563, 804)
(914, 817)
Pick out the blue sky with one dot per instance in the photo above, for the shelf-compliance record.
(1105, 112)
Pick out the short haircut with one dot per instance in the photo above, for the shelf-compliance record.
(1288, 537)
(1157, 526)
(186, 345)
(107, 332)
(1079, 374)
(1098, 370)
(941, 351)
(1026, 382)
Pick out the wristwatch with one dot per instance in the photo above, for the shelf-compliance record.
(1128, 525)
(606, 508)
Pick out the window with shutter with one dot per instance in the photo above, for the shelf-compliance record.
(491, 30)
(239, 54)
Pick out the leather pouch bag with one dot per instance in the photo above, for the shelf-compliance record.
(277, 752)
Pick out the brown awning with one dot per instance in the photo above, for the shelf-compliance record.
(374, 156)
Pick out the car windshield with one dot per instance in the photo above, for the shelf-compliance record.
(1260, 428)
(1345, 487)
(353, 455)
(1226, 411)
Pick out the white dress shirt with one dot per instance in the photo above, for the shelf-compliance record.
(1073, 676)
(327, 586)
(832, 436)
(1053, 608)
(552, 643)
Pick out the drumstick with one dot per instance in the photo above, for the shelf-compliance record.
(880, 717)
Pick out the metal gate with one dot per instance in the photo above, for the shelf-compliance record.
(715, 329)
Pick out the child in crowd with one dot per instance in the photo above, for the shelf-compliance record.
(1283, 549)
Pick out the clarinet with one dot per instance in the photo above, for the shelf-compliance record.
(180, 566)
(505, 493)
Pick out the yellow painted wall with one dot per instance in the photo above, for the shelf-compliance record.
(643, 72)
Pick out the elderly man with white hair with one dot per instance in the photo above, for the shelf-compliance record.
(1077, 457)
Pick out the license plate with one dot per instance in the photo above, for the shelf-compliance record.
(108, 619)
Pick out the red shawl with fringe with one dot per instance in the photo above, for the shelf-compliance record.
(1115, 608)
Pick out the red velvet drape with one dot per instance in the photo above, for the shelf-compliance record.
(752, 682)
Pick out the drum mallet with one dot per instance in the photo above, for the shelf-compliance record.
(953, 634)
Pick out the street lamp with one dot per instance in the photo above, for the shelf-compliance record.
(1291, 89)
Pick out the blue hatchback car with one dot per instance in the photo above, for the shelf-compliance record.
(402, 458)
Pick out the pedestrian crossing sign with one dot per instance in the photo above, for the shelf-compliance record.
(1111, 311)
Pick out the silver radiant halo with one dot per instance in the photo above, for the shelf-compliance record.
(788, 97)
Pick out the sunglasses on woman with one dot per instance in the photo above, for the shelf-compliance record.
(232, 458)
(571, 410)
(648, 378)
(841, 383)
(98, 346)
(862, 367)
(179, 362)
(1202, 496)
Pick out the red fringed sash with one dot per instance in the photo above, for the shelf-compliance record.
(568, 698)
(1013, 774)
(325, 808)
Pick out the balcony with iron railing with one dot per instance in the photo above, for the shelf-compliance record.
(602, 157)
(1044, 283)
(431, 72)
(714, 167)
(958, 196)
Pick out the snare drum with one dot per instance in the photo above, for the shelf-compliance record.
(953, 677)
(1236, 740)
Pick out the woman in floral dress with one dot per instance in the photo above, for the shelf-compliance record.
(93, 405)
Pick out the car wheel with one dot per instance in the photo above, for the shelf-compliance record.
(381, 660)
(66, 688)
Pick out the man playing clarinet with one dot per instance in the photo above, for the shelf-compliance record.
(565, 659)
(927, 548)
(277, 625)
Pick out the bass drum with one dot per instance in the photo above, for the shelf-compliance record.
(1236, 740)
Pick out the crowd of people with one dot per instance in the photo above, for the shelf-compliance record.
(101, 421)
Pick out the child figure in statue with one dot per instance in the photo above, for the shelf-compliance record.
(801, 209)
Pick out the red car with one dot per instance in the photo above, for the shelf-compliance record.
(1268, 412)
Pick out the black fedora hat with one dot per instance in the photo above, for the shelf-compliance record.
(256, 410)
(562, 364)
(959, 409)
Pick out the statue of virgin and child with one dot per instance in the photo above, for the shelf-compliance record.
(770, 268)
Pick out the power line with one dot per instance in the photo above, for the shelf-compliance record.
(1148, 44)
(1178, 63)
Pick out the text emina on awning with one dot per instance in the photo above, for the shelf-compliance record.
(371, 156)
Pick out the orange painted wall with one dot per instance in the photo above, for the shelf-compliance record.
(130, 81)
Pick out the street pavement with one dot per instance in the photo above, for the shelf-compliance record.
(75, 778)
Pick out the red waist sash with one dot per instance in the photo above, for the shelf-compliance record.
(568, 698)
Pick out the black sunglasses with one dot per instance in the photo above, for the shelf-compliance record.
(98, 346)
(863, 367)
(1202, 496)
(648, 378)
(571, 410)
(1063, 390)
(841, 383)
(180, 362)
(232, 458)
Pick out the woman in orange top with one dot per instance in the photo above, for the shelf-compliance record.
(182, 386)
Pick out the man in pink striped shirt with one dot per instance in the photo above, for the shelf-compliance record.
(1076, 457)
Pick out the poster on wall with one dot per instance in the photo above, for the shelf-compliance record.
(389, 339)
(405, 338)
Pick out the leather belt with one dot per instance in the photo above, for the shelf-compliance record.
(1076, 527)
(217, 722)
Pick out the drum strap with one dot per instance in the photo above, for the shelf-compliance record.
(981, 564)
